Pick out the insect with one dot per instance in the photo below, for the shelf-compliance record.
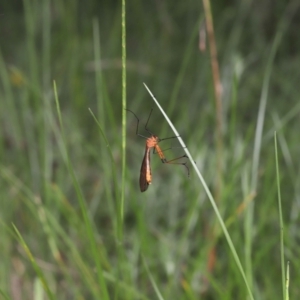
(152, 142)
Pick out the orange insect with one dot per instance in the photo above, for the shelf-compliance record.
(152, 142)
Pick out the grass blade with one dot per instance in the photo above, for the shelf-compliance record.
(210, 197)
(34, 264)
(287, 283)
(87, 221)
(280, 218)
(159, 295)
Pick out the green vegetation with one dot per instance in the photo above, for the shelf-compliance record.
(73, 222)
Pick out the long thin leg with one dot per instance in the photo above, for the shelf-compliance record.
(137, 124)
(146, 128)
(171, 161)
(168, 138)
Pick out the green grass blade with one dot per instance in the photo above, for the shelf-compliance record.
(287, 283)
(258, 138)
(123, 116)
(5, 297)
(34, 264)
(280, 218)
(112, 166)
(87, 221)
(210, 197)
(158, 294)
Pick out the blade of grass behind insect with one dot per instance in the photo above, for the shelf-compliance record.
(284, 120)
(233, 110)
(210, 197)
(98, 74)
(123, 115)
(280, 218)
(30, 15)
(5, 297)
(87, 221)
(60, 235)
(124, 287)
(46, 56)
(249, 218)
(103, 111)
(104, 103)
(49, 125)
(47, 107)
(287, 283)
(74, 255)
(66, 242)
(158, 294)
(188, 54)
(8, 104)
(120, 204)
(112, 165)
(183, 67)
(217, 97)
(34, 264)
(38, 290)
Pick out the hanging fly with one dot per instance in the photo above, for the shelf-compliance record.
(152, 142)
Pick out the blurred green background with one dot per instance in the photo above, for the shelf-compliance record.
(169, 244)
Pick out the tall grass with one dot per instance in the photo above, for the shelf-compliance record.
(73, 222)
